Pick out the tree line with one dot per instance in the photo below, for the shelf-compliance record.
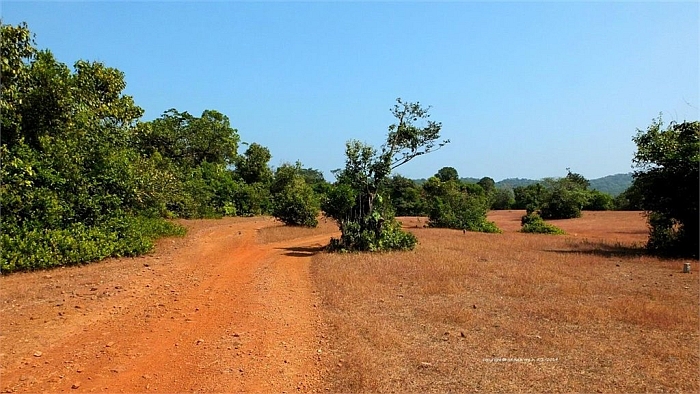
(84, 177)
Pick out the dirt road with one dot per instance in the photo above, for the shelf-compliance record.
(216, 311)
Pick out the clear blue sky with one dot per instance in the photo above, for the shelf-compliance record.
(522, 89)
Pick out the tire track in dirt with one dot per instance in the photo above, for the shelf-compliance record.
(223, 314)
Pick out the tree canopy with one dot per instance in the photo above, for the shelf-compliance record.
(667, 162)
(363, 216)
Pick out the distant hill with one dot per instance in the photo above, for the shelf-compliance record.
(611, 184)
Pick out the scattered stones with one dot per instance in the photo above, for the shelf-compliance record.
(75, 385)
(38, 354)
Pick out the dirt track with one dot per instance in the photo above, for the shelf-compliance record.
(214, 312)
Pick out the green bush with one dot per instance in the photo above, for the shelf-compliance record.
(599, 201)
(450, 207)
(533, 223)
(389, 237)
(296, 204)
(26, 249)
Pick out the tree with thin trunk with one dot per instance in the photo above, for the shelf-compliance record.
(365, 219)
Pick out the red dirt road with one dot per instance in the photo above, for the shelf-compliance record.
(213, 312)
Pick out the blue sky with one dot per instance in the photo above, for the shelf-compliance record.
(522, 89)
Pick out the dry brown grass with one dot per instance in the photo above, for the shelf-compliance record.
(583, 312)
(280, 232)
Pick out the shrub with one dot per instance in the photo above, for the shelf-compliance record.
(296, 204)
(533, 223)
(450, 207)
(26, 249)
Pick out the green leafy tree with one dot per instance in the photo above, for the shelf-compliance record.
(667, 176)
(405, 196)
(450, 205)
(253, 165)
(189, 141)
(488, 184)
(446, 174)
(503, 198)
(364, 218)
(293, 200)
(630, 199)
(74, 187)
(17, 53)
(564, 199)
(599, 201)
(529, 198)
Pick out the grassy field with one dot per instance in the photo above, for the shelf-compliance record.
(585, 312)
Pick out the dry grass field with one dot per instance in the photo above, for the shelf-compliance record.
(583, 312)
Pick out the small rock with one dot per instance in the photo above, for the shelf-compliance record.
(75, 385)
(110, 344)
(38, 354)
(425, 364)
(474, 306)
(461, 334)
(199, 341)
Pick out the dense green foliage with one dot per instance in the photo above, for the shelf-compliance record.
(630, 199)
(668, 179)
(503, 199)
(365, 218)
(405, 196)
(562, 198)
(294, 201)
(533, 223)
(446, 174)
(459, 206)
(83, 178)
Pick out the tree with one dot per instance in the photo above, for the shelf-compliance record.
(563, 199)
(488, 184)
(188, 140)
(364, 219)
(253, 166)
(630, 199)
(17, 52)
(447, 174)
(293, 200)
(598, 201)
(667, 175)
(450, 205)
(405, 196)
(503, 199)
(529, 198)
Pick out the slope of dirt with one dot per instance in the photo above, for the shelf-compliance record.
(214, 312)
